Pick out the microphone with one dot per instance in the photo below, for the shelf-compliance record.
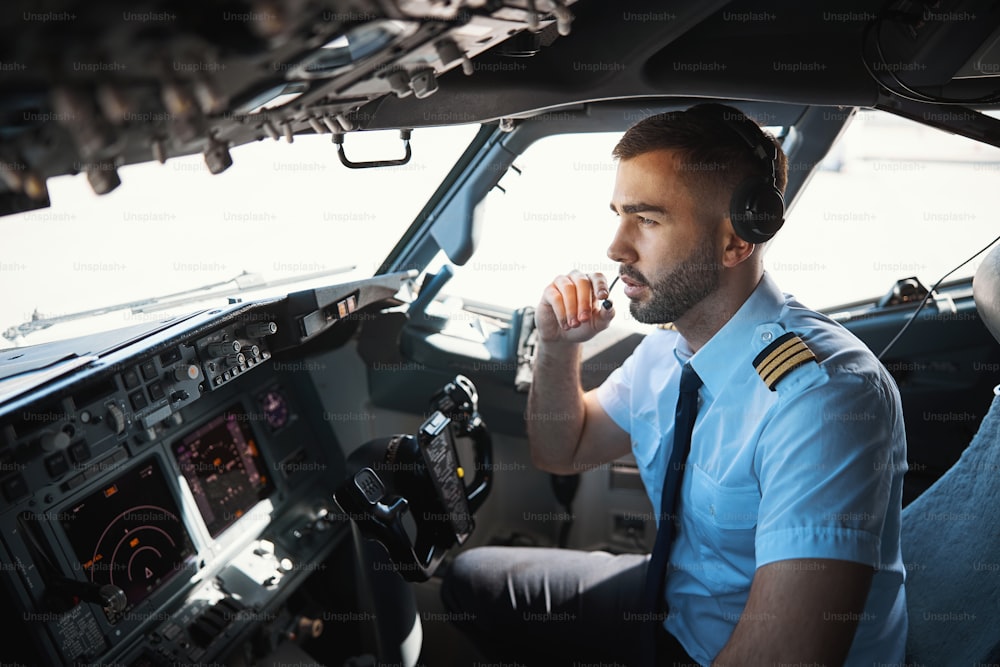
(607, 302)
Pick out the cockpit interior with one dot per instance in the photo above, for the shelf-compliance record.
(281, 479)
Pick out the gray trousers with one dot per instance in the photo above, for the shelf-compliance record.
(540, 606)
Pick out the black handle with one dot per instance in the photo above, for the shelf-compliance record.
(380, 517)
(482, 445)
(338, 139)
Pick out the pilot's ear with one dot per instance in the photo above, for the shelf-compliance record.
(735, 250)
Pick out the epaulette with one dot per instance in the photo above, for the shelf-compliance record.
(786, 353)
(669, 326)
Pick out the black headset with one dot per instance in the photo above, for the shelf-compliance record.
(756, 209)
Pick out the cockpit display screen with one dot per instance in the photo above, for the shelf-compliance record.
(223, 468)
(129, 533)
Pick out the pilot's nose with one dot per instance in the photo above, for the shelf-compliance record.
(622, 249)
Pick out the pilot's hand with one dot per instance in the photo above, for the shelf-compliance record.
(570, 311)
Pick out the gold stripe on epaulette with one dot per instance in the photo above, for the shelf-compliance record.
(781, 357)
(669, 326)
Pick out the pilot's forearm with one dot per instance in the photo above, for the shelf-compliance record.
(556, 411)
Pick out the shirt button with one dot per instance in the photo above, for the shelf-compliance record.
(766, 336)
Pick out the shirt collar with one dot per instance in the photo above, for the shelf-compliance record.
(731, 347)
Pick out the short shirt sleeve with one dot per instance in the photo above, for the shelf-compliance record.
(824, 463)
(614, 394)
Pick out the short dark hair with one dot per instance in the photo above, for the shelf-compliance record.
(713, 154)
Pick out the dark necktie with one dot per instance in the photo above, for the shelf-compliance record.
(653, 595)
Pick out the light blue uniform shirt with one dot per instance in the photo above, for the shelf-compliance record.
(811, 470)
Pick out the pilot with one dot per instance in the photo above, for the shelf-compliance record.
(769, 439)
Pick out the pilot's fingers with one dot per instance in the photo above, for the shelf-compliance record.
(601, 285)
(557, 316)
(550, 317)
(565, 288)
(585, 295)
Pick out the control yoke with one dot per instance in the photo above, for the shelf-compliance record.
(418, 479)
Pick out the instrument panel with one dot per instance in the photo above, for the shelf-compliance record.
(154, 507)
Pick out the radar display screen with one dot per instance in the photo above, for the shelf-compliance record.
(223, 468)
(129, 533)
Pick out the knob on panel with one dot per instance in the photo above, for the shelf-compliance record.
(186, 372)
(236, 359)
(108, 596)
(224, 349)
(53, 441)
(116, 418)
(308, 628)
(261, 329)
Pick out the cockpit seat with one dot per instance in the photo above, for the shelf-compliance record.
(951, 536)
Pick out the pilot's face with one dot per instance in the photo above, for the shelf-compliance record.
(669, 255)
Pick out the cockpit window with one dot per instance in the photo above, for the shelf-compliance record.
(867, 218)
(892, 199)
(547, 216)
(280, 213)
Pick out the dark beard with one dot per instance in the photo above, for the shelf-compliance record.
(681, 289)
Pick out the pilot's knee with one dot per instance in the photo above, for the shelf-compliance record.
(472, 578)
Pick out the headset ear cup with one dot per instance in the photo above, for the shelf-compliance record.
(757, 210)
